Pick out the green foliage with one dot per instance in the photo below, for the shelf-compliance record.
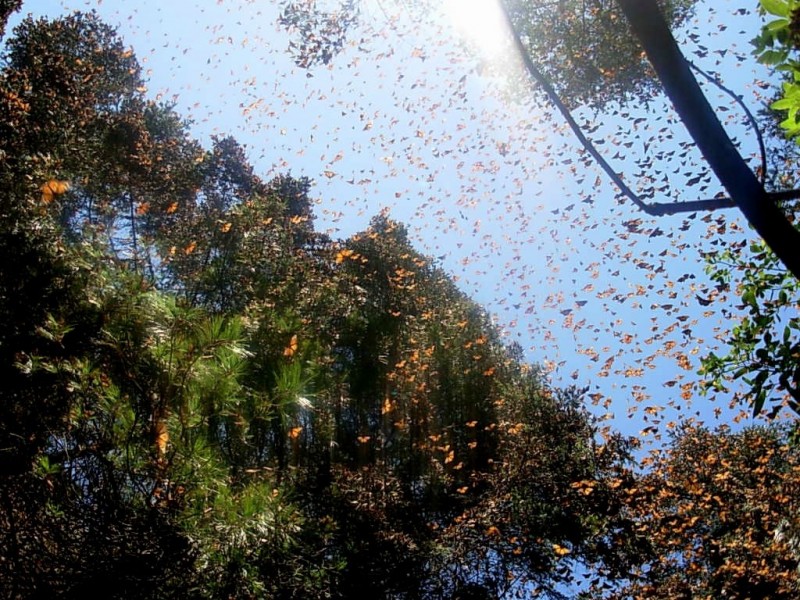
(763, 345)
(763, 348)
(776, 46)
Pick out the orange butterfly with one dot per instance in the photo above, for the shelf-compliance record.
(162, 437)
(560, 550)
(292, 347)
(342, 255)
(52, 188)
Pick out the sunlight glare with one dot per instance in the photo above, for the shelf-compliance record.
(480, 22)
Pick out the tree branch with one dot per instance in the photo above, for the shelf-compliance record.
(697, 115)
(548, 88)
(671, 208)
(656, 209)
(750, 118)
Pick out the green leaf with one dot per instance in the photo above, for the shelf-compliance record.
(779, 8)
(777, 25)
(782, 104)
(758, 402)
(773, 57)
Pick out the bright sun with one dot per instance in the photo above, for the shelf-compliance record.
(481, 22)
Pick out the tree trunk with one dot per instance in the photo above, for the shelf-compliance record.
(764, 215)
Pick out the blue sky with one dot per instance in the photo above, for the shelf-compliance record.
(407, 120)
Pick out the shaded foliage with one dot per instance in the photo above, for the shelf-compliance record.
(763, 345)
(719, 512)
(319, 34)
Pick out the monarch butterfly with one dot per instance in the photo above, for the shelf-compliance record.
(342, 255)
(161, 437)
(52, 188)
(560, 550)
(292, 347)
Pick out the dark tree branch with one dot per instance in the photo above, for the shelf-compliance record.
(655, 209)
(746, 191)
(660, 209)
(552, 94)
(672, 208)
(759, 207)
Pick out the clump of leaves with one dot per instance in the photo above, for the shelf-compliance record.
(319, 34)
(776, 46)
(763, 349)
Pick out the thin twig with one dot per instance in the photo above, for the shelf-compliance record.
(753, 123)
